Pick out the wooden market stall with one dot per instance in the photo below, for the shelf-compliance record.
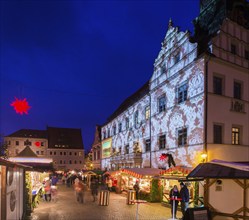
(226, 188)
(173, 176)
(12, 193)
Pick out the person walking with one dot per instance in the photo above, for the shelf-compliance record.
(174, 194)
(110, 185)
(136, 188)
(184, 193)
(94, 189)
(79, 190)
(47, 189)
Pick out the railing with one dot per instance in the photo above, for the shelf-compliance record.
(237, 105)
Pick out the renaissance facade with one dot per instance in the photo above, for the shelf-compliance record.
(196, 102)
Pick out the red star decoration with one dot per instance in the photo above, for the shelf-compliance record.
(37, 144)
(163, 157)
(20, 106)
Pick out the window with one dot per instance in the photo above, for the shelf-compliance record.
(162, 141)
(217, 134)
(42, 152)
(108, 132)
(182, 137)
(147, 145)
(182, 93)
(235, 135)
(237, 90)
(60, 161)
(120, 127)
(127, 149)
(75, 162)
(17, 143)
(55, 153)
(247, 54)
(51, 152)
(80, 153)
(37, 152)
(161, 104)
(119, 150)
(70, 162)
(114, 130)
(42, 144)
(217, 85)
(65, 153)
(136, 118)
(104, 135)
(60, 153)
(64, 162)
(127, 123)
(177, 58)
(147, 112)
(70, 153)
(75, 153)
(233, 49)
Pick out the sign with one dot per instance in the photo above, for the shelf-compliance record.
(106, 148)
(201, 213)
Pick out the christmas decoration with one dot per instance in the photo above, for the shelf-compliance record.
(170, 159)
(21, 106)
(37, 144)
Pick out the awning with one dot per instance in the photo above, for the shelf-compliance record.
(221, 169)
(177, 170)
(141, 172)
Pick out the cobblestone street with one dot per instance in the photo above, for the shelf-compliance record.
(67, 208)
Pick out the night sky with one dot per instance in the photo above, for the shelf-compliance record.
(76, 61)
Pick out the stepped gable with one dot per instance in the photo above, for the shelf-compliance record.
(130, 100)
(65, 138)
(29, 133)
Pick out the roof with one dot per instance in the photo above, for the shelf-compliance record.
(136, 172)
(182, 169)
(29, 133)
(27, 152)
(221, 169)
(130, 100)
(65, 138)
(8, 163)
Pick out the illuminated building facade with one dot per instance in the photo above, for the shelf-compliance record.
(63, 145)
(196, 101)
(96, 149)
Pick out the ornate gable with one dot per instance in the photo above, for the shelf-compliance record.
(176, 52)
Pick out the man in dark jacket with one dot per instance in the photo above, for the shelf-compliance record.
(184, 193)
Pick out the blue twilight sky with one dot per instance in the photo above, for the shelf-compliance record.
(76, 61)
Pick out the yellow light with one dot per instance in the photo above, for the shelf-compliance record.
(204, 157)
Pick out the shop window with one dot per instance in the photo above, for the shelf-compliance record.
(161, 103)
(217, 85)
(182, 137)
(217, 129)
(237, 88)
(162, 141)
(235, 135)
(182, 93)
(147, 145)
(147, 112)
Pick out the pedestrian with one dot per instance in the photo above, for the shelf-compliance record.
(54, 193)
(47, 189)
(110, 184)
(79, 190)
(136, 188)
(174, 195)
(184, 193)
(54, 180)
(94, 189)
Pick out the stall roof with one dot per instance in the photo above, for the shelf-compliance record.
(183, 169)
(4, 162)
(221, 169)
(141, 172)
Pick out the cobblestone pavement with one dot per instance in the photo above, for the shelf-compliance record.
(67, 208)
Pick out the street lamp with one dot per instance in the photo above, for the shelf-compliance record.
(204, 157)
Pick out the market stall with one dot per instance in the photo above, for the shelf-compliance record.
(173, 176)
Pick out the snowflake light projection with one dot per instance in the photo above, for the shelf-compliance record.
(21, 106)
